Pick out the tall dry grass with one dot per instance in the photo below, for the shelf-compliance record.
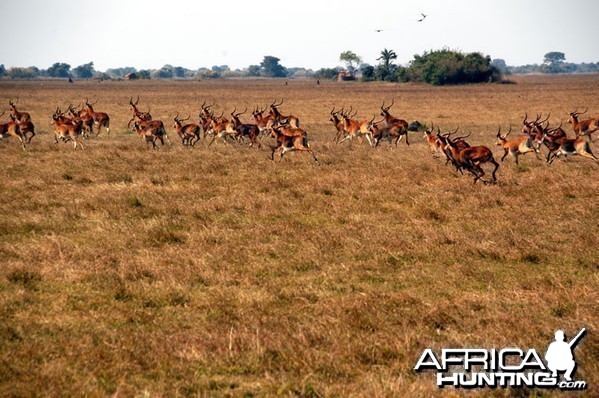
(191, 271)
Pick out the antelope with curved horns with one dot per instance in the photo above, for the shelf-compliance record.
(551, 145)
(459, 143)
(583, 127)
(290, 139)
(150, 131)
(67, 129)
(514, 148)
(357, 128)
(136, 112)
(472, 158)
(12, 129)
(16, 115)
(291, 120)
(82, 114)
(243, 130)
(187, 132)
(338, 123)
(264, 122)
(101, 119)
(567, 147)
(393, 127)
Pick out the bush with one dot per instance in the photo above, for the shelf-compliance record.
(326, 73)
(452, 67)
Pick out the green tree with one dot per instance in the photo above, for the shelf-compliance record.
(553, 62)
(2, 70)
(85, 71)
(271, 68)
(386, 68)
(253, 70)
(350, 58)
(23, 73)
(59, 70)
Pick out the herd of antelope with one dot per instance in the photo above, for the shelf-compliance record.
(78, 123)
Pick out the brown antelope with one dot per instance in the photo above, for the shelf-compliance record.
(355, 128)
(67, 130)
(528, 126)
(12, 129)
(137, 112)
(18, 116)
(514, 148)
(471, 159)
(264, 122)
(338, 123)
(221, 127)
(187, 132)
(583, 127)
(101, 119)
(246, 129)
(150, 131)
(458, 142)
(435, 145)
(290, 139)
(25, 127)
(567, 147)
(550, 144)
(392, 127)
(85, 117)
(290, 120)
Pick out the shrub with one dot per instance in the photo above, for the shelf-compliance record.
(452, 67)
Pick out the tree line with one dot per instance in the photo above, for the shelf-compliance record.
(438, 67)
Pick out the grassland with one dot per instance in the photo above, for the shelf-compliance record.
(214, 271)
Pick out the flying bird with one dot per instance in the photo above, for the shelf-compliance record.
(378, 30)
(422, 19)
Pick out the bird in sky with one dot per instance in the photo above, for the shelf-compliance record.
(378, 30)
(422, 19)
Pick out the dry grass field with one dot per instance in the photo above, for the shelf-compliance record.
(215, 271)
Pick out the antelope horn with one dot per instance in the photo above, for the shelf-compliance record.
(244, 111)
(581, 113)
(508, 133)
(462, 137)
(176, 117)
(332, 112)
(137, 101)
(392, 102)
(234, 109)
(187, 118)
(129, 124)
(538, 117)
(456, 130)
(499, 132)
(280, 103)
(547, 118)
(525, 118)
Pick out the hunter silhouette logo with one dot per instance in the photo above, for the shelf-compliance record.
(506, 367)
(560, 355)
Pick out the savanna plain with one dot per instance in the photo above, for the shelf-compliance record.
(213, 270)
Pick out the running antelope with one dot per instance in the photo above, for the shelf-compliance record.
(248, 130)
(472, 158)
(264, 122)
(82, 114)
(283, 120)
(568, 147)
(67, 130)
(189, 133)
(290, 139)
(551, 143)
(101, 119)
(392, 127)
(357, 128)
(338, 123)
(583, 127)
(514, 148)
(137, 112)
(11, 129)
(150, 131)
(18, 116)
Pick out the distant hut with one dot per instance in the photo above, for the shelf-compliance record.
(345, 75)
(131, 76)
